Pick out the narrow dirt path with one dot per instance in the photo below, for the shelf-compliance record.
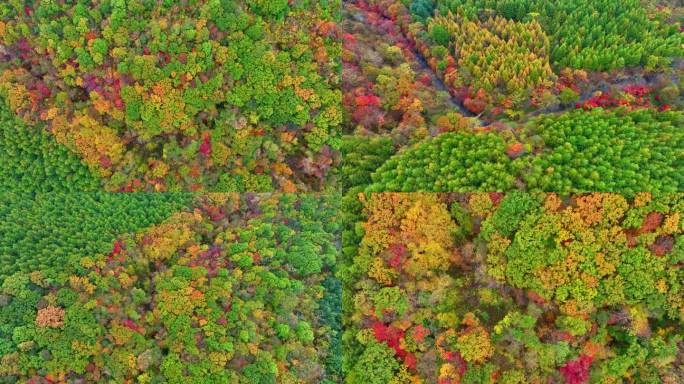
(414, 58)
(630, 77)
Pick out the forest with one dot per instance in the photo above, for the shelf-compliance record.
(380, 288)
(172, 288)
(513, 287)
(140, 95)
(567, 96)
(342, 191)
(484, 95)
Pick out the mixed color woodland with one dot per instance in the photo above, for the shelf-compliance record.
(513, 288)
(169, 288)
(485, 95)
(139, 95)
(342, 191)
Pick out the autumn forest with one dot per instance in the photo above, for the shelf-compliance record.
(342, 191)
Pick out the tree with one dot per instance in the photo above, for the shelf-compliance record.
(376, 365)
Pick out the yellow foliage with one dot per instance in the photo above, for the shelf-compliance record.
(159, 168)
(384, 211)
(92, 140)
(672, 224)
(447, 319)
(604, 266)
(253, 348)
(448, 373)
(404, 377)
(496, 259)
(380, 273)
(222, 198)
(120, 335)
(573, 221)
(474, 343)
(499, 46)
(639, 316)
(481, 203)
(9, 364)
(81, 283)
(428, 219)
(13, 89)
(576, 308)
(642, 199)
(427, 257)
(219, 360)
(614, 206)
(427, 230)
(552, 202)
(18, 97)
(162, 241)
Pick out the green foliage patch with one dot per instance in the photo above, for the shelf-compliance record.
(578, 151)
(30, 160)
(50, 232)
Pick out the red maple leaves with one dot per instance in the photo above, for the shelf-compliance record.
(367, 100)
(392, 337)
(397, 258)
(205, 147)
(577, 371)
(515, 150)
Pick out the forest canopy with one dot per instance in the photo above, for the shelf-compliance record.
(479, 95)
(217, 95)
(233, 288)
(513, 288)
